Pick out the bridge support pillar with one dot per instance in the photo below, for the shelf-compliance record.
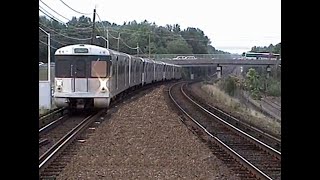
(191, 73)
(268, 71)
(219, 70)
(206, 71)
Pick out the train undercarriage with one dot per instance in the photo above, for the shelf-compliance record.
(83, 103)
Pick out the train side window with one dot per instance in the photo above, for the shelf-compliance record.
(121, 67)
(137, 67)
(98, 69)
(127, 66)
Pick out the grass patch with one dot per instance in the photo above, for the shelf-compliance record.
(43, 110)
(224, 101)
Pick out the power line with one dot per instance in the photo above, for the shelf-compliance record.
(100, 19)
(135, 31)
(178, 36)
(53, 40)
(74, 9)
(56, 19)
(128, 45)
(46, 13)
(54, 11)
(66, 35)
(171, 36)
(113, 36)
(58, 42)
(47, 44)
(140, 49)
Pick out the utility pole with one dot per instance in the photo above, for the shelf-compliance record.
(149, 46)
(119, 41)
(137, 48)
(108, 37)
(49, 65)
(93, 26)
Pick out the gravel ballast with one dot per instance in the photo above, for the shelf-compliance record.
(145, 139)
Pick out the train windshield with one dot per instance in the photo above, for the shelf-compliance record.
(68, 66)
(98, 68)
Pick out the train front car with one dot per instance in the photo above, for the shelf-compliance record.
(82, 76)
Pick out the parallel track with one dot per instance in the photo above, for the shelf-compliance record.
(255, 159)
(271, 140)
(51, 154)
(57, 156)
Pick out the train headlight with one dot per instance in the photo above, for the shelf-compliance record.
(59, 85)
(103, 85)
(59, 82)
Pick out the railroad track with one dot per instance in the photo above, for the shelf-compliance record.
(49, 166)
(51, 116)
(272, 104)
(274, 142)
(61, 139)
(246, 155)
(272, 109)
(55, 130)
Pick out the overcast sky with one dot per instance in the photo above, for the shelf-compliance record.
(231, 25)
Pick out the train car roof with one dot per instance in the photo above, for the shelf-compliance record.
(168, 64)
(176, 65)
(158, 62)
(147, 60)
(117, 52)
(137, 58)
(82, 49)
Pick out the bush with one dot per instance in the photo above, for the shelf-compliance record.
(274, 88)
(228, 85)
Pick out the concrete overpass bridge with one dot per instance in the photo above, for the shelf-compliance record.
(213, 62)
(221, 62)
(194, 60)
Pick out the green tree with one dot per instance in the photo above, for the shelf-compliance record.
(196, 39)
(230, 86)
(271, 48)
(178, 46)
(252, 83)
(168, 39)
(176, 28)
(277, 49)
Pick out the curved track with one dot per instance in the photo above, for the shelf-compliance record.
(254, 131)
(250, 157)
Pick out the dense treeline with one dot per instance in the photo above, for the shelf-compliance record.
(271, 48)
(148, 36)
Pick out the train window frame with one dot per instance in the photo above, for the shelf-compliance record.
(66, 64)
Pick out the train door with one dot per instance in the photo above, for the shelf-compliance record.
(78, 76)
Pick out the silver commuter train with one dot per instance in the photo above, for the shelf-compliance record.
(89, 76)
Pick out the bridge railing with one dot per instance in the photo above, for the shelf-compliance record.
(197, 56)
